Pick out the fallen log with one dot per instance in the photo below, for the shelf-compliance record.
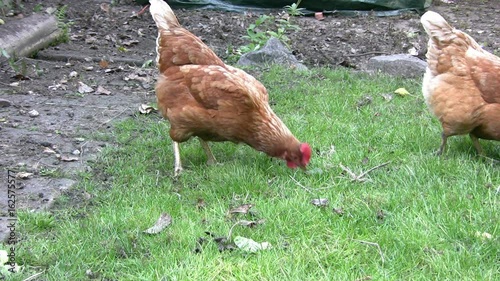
(25, 36)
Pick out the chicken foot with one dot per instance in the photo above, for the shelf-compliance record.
(177, 159)
(211, 159)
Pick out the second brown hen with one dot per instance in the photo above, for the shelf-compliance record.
(461, 85)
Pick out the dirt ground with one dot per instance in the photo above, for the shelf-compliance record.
(53, 146)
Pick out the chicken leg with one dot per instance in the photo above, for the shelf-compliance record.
(211, 159)
(442, 148)
(477, 145)
(177, 160)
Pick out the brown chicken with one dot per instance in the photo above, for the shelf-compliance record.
(205, 98)
(461, 85)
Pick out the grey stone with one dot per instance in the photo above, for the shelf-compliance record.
(398, 65)
(274, 52)
(5, 103)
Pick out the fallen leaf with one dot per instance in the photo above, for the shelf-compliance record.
(104, 64)
(49, 151)
(243, 209)
(102, 91)
(320, 202)
(249, 245)
(388, 96)
(319, 16)
(130, 42)
(24, 175)
(366, 100)
(33, 113)
(84, 88)
(380, 215)
(164, 221)
(402, 92)
(146, 109)
(200, 204)
(222, 243)
(105, 7)
(314, 171)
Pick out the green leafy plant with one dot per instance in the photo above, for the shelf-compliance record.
(294, 10)
(18, 68)
(38, 8)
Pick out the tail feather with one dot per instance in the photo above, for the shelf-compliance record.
(437, 27)
(163, 15)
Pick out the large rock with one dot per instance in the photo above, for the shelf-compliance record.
(274, 52)
(398, 65)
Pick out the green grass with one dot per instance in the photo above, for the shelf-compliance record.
(421, 210)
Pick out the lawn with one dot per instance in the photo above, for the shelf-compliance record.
(414, 216)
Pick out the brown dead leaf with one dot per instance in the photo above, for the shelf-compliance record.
(319, 16)
(84, 88)
(48, 150)
(223, 244)
(339, 211)
(162, 222)
(243, 209)
(146, 109)
(251, 223)
(102, 91)
(129, 43)
(65, 158)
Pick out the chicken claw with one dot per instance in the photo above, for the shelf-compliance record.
(211, 159)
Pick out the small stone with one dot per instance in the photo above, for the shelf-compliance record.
(73, 74)
(76, 152)
(5, 103)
